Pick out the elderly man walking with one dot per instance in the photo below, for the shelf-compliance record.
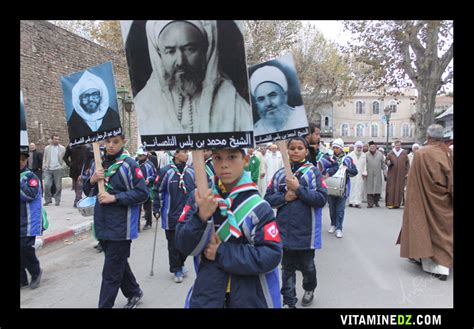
(273, 161)
(398, 165)
(415, 147)
(357, 182)
(426, 235)
(375, 164)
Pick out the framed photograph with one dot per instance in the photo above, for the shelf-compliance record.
(190, 84)
(90, 104)
(277, 104)
(23, 131)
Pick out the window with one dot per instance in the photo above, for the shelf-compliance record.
(405, 130)
(375, 107)
(345, 130)
(326, 122)
(391, 130)
(375, 130)
(360, 130)
(393, 106)
(359, 107)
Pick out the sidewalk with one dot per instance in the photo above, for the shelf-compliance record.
(64, 220)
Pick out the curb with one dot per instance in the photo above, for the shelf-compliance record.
(73, 230)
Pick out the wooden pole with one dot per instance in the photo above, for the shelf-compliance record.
(98, 164)
(200, 171)
(286, 160)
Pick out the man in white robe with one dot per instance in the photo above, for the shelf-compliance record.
(262, 188)
(273, 161)
(357, 181)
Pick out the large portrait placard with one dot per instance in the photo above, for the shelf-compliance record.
(23, 131)
(90, 104)
(190, 84)
(277, 104)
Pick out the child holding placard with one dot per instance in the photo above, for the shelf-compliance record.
(299, 200)
(236, 265)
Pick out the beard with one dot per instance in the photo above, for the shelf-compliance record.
(185, 79)
(274, 114)
(91, 107)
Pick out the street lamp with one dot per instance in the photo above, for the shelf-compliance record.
(126, 106)
(388, 112)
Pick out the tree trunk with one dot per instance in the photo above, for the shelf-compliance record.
(425, 111)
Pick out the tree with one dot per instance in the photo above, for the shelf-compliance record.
(325, 75)
(419, 50)
(105, 33)
(265, 40)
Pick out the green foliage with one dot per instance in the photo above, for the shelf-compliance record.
(265, 40)
(406, 54)
(325, 75)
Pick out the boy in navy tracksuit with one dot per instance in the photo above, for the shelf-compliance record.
(31, 224)
(172, 186)
(149, 173)
(116, 220)
(299, 201)
(337, 204)
(237, 264)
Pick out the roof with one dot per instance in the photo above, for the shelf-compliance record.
(449, 111)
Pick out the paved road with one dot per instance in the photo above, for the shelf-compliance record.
(363, 269)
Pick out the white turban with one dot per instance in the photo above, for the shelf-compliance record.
(338, 142)
(415, 145)
(268, 74)
(359, 143)
(154, 29)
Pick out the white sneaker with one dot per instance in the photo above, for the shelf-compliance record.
(338, 234)
(332, 229)
(178, 277)
(185, 271)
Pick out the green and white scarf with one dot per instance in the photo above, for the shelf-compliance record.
(244, 184)
(181, 176)
(113, 168)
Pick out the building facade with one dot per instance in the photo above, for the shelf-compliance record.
(362, 118)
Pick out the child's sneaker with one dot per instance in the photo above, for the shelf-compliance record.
(307, 298)
(178, 277)
(185, 271)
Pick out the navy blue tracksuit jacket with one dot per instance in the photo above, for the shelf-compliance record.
(119, 220)
(169, 197)
(250, 262)
(300, 220)
(31, 223)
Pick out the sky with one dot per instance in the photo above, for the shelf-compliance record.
(332, 30)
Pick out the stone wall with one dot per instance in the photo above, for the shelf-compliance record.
(47, 53)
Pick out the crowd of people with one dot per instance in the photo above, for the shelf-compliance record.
(239, 229)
